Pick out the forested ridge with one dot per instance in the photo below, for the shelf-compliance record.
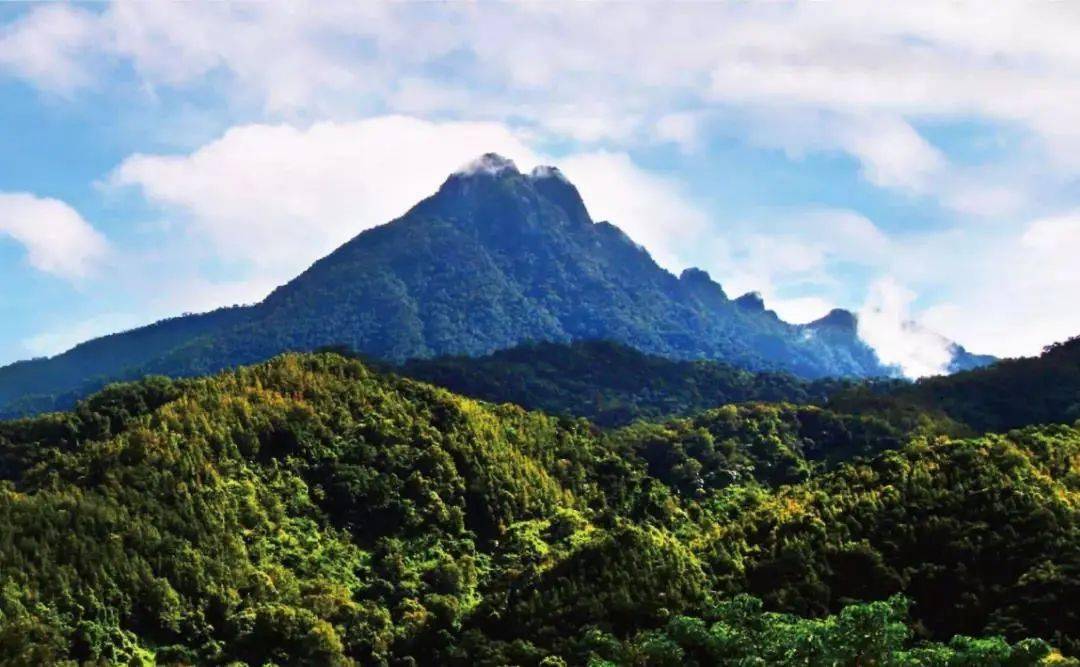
(1008, 394)
(1012, 392)
(611, 384)
(309, 510)
(608, 383)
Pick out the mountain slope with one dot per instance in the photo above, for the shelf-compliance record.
(1011, 393)
(608, 383)
(43, 384)
(495, 258)
(309, 511)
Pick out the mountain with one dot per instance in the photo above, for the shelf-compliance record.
(308, 510)
(493, 259)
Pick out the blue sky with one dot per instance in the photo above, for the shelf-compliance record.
(916, 165)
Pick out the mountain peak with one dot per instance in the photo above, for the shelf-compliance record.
(557, 188)
(695, 275)
(491, 164)
(838, 318)
(546, 171)
(492, 259)
(751, 301)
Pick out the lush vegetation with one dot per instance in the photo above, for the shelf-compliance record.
(1008, 394)
(608, 383)
(611, 384)
(41, 385)
(310, 511)
(1011, 393)
(485, 264)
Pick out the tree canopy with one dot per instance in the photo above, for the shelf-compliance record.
(309, 510)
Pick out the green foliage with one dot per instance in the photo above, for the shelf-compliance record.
(768, 443)
(1011, 393)
(982, 534)
(310, 511)
(738, 632)
(608, 383)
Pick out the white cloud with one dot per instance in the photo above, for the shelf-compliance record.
(800, 310)
(885, 324)
(56, 238)
(610, 126)
(892, 153)
(1013, 293)
(277, 197)
(651, 209)
(793, 248)
(283, 57)
(1055, 240)
(603, 72)
(683, 128)
(52, 46)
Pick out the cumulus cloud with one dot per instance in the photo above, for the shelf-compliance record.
(277, 197)
(605, 72)
(56, 238)
(793, 248)
(1012, 293)
(892, 153)
(651, 209)
(885, 324)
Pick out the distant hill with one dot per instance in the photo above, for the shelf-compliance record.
(494, 259)
(608, 383)
(1011, 393)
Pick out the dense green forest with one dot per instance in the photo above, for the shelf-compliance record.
(608, 383)
(1012, 392)
(310, 510)
(611, 384)
(1009, 394)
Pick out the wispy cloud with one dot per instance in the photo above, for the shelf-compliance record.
(885, 323)
(599, 72)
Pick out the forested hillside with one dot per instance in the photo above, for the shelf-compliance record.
(611, 384)
(310, 511)
(1008, 394)
(608, 383)
(1013, 392)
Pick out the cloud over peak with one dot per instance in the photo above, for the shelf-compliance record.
(885, 324)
